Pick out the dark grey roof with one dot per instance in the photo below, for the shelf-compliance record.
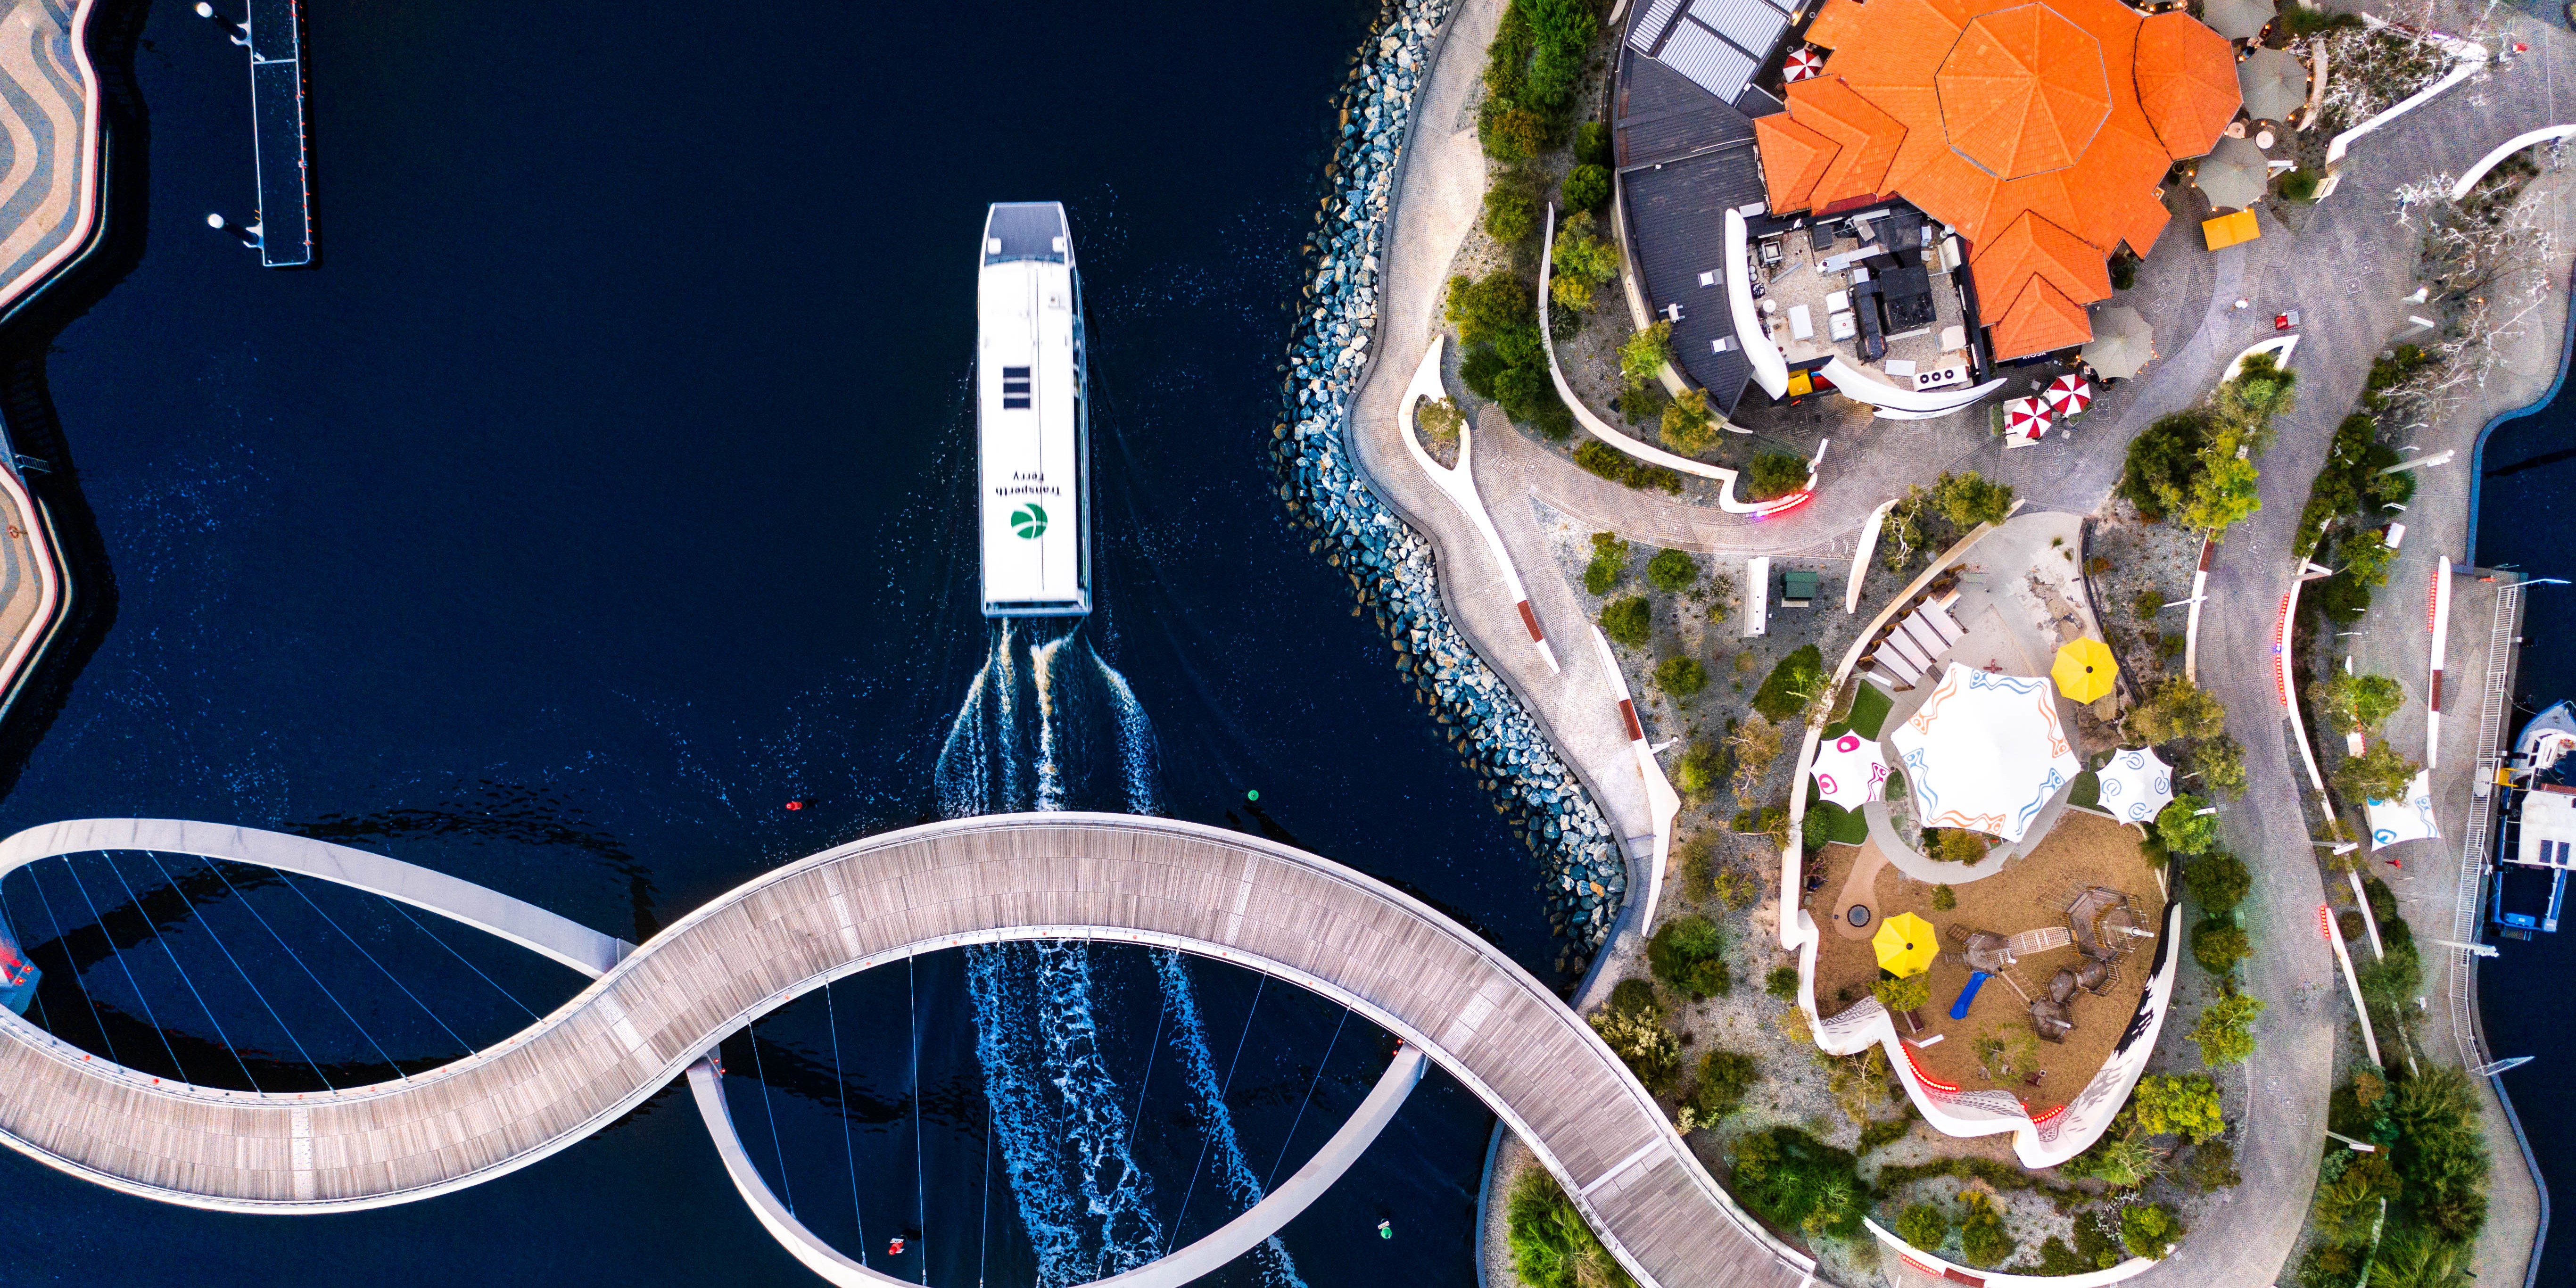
(1718, 44)
(1677, 230)
(1026, 230)
(1663, 117)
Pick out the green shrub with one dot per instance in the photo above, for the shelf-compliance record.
(1672, 571)
(2381, 773)
(1956, 845)
(2118, 1160)
(2220, 762)
(2297, 185)
(1592, 144)
(1633, 995)
(1511, 215)
(1702, 769)
(2124, 270)
(1628, 620)
(2148, 1229)
(2351, 701)
(1983, 1241)
(1587, 187)
(1619, 467)
(1514, 134)
(2218, 882)
(2183, 1105)
(1641, 1040)
(1688, 954)
(2441, 1152)
(1642, 357)
(2366, 557)
(1583, 260)
(1782, 983)
(1681, 676)
(1609, 563)
(1485, 309)
(1923, 1225)
(1902, 995)
(2213, 1166)
(2184, 829)
(1968, 499)
(1944, 898)
(1551, 1246)
(1794, 1180)
(1792, 683)
(2163, 463)
(2177, 711)
(1776, 474)
(1725, 1078)
(2219, 945)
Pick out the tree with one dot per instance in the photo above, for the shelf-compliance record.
(2183, 1105)
(2381, 773)
(2163, 460)
(1967, 500)
(1587, 186)
(2366, 557)
(1781, 983)
(2218, 882)
(2351, 701)
(1639, 1038)
(2148, 1230)
(2220, 762)
(1777, 474)
(2219, 945)
(1672, 571)
(1793, 683)
(1609, 563)
(1642, 356)
(1514, 134)
(1902, 995)
(1592, 144)
(2184, 829)
(2226, 1030)
(1755, 744)
(2226, 492)
(1628, 620)
(1725, 1077)
(2177, 711)
(1702, 768)
(1924, 1226)
(1580, 261)
(1486, 309)
(2261, 391)
(1689, 426)
(1681, 676)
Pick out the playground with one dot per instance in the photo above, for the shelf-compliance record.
(2053, 929)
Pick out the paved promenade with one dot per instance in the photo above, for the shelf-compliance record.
(1119, 878)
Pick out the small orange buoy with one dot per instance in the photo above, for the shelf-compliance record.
(795, 805)
(894, 1247)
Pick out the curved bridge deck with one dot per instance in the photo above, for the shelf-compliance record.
(1109, 877)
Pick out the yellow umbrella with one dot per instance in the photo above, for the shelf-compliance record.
(1905, 945)
(2084, 670)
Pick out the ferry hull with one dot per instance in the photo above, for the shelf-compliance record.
(1032, 417)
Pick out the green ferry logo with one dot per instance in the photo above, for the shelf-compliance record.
(1029, 521)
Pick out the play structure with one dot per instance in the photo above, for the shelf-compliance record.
(2101, 924)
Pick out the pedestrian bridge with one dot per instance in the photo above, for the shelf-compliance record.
(653, 1012)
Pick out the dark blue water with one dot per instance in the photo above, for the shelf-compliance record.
(2526, 506)
(605, 489)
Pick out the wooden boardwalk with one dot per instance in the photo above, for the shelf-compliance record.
(1119, 878)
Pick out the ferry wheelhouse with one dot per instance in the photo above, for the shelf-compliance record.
(2537, 844)
(1032, 417)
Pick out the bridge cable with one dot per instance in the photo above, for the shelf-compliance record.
(984, 1232)
(469, 965)
(1152, 1049)
(6, 920)
(166, 951)
(298, 959)
(209, 927)
(920, 1183)
(786, 1189)
(1207, 1138)
(119, 955)
(289, 883)
(1291, 1137)
(841, 1093)
(72, 966)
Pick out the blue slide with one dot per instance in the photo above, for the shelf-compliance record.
(1959, 1009)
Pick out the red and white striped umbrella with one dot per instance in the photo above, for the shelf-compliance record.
(2069, 394)
(2025, 419)
(1806, 61)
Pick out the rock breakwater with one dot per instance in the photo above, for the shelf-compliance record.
(1390, 566)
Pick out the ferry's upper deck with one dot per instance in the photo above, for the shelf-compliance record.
(1031, 432)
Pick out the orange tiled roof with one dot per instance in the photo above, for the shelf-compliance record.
(1793, 159)
(2023, 91)
(1868, 137)
(2186, 77)
(2039, 320)
(1998, 119)
(2035, 247)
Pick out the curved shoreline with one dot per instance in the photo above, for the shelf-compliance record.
(2478, 449)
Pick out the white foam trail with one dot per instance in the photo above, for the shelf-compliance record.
(1232, 1173)
(963, 777)
(1136, 750)
(1050, 772)
(1007, 693)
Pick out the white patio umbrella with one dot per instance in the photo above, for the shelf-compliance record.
(2136, 785)
(2237, 19)
(2274, 83)
(1805, 62)
(2411, 819)
(1849, 771)
(2025, 421)
(2234, 174)
(1985, 752)
(2069, 394)
(2122, 342)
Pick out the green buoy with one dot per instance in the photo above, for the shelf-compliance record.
(1253, 795)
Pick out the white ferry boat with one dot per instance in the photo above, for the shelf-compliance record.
(1032, 417)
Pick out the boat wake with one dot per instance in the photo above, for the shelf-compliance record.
(1048, 724)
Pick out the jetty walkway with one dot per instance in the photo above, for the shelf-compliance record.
(656, 1010)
